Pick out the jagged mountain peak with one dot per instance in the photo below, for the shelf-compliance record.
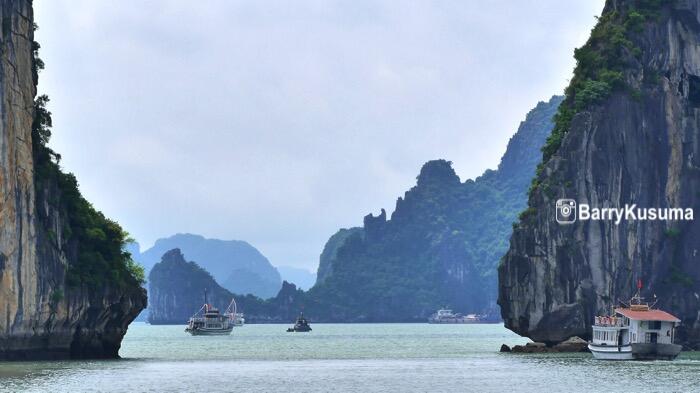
(437, 172)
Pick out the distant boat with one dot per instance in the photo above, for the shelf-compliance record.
(208, 321)
(238, 319)
(445, 315)
(636, 332)
(301, 325)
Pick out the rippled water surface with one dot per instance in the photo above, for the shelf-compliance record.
(344, 358)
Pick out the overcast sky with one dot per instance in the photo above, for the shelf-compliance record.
(280, 122)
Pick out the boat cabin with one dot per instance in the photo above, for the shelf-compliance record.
(635, 332)
(209, 321)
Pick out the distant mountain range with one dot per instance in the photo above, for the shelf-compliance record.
(234, 264)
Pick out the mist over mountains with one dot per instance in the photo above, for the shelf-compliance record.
(236, 265)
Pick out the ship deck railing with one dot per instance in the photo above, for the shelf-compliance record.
(610, 322)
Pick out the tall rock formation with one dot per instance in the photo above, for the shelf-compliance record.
(627, 133)
(440, 247)
(176, 291)
(48, 309)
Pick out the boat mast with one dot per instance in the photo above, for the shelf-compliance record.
(637, 297)
(206, 302)
(232, 309)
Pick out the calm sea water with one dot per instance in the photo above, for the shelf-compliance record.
(344, 358)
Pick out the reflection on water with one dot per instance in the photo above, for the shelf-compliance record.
(343, 357)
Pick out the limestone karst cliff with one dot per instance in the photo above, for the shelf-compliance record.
(61, 294)
(628, 132)
(441, 245)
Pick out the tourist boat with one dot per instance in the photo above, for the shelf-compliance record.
(445, 315)
(635, 332)
(301, 325)
(208, 321)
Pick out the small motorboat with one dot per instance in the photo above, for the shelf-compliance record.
(301, 325)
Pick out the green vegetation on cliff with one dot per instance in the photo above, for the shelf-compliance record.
(599, 69)
(92, 243)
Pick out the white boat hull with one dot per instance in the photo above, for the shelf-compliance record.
(611, 352)
(647, 351)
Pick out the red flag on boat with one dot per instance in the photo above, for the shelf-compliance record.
(639, 284)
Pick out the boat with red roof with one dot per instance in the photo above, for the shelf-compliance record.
(635, 332)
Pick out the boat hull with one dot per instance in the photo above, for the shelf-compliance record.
(604, 352)
(298, 330)
(209, 332)
(656, 351)
(636, 352)
(455, 322)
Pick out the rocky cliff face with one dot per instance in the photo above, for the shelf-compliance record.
(18, 259)
(40, 316)
(627, 133)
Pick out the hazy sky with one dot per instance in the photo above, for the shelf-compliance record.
(280, 122)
